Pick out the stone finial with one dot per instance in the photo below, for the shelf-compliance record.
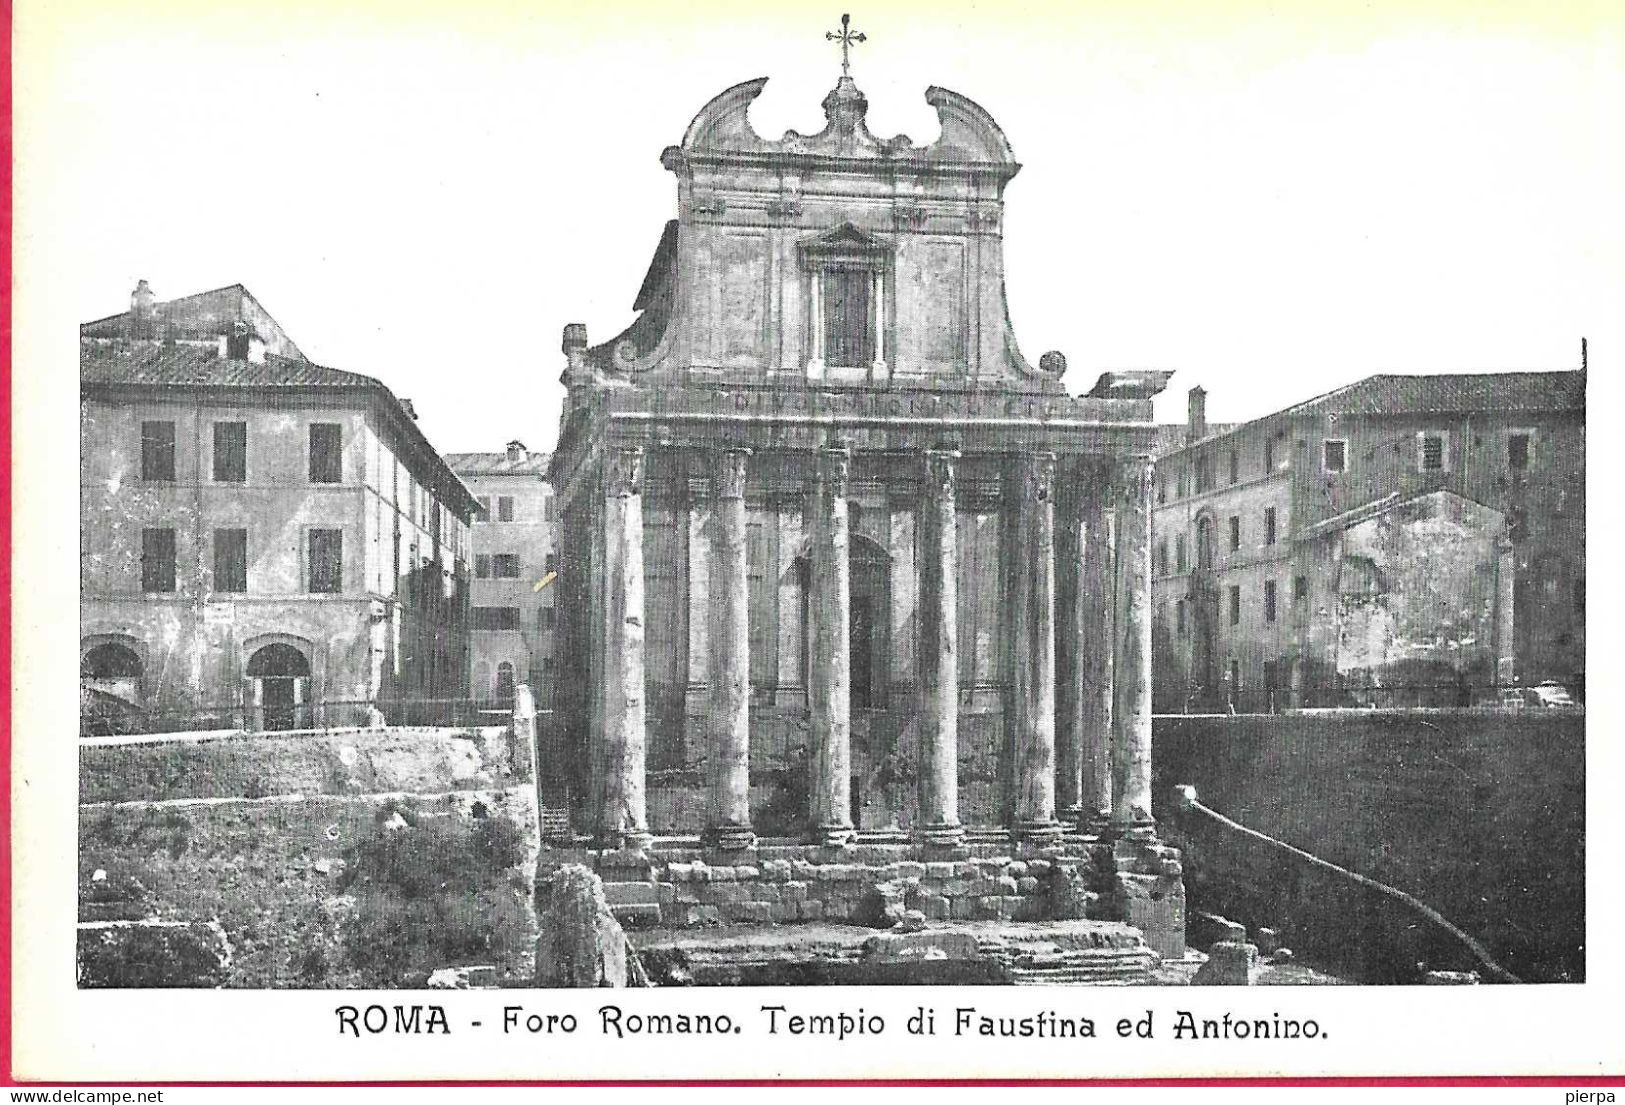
(1053, 363)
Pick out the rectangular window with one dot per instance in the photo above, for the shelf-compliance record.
(496, 618)
(231, 560)
(1162, 558)
(1235, 604)
(230, 452)
(1204, 474)
(549, 617)
(1269, 456)
(505, 566)
(504, 508)
(158, 452)
(158, 560)
(1162, 489)
(1179, 616)
(326, 561)
(1235, 467)
(326, 452)
(552, 563)
(482, 565)
(1180, 558)
(1334, 454)
(1269, 525)
(1430, 452)
(1518, 451)
(1300, 588)
(1235, 533)
(1269, 600)
(848, 332)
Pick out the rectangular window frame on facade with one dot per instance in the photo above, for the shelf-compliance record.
(158, 560)
(231, 561)
(324, 560)
(1269, 600)
(158, 451)
(1433, 446)
(326, 452)
(1180, 626)
(1234, 527)
(549, 619)
(1300, 588)
(1235, 604)
(1520, 448)
(1269, 525)
(1235, 467)
(495, 619)
(1269, 455)
(504, 505)
(229, 456)
(1338, 447)
(1181, 553)
(1162, 557)
(505, 565)
(482, 565)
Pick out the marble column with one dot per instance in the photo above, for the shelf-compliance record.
(937, 613)
(1093, 626)
(623, 820)
(1034, 653)
(728, 749)
(1506, 649)
(829, 689)
(1131, 682)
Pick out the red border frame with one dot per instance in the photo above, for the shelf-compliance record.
(6, 1070)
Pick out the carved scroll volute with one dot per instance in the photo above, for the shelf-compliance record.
(728, 478)
(623, 473)
(1038, 477)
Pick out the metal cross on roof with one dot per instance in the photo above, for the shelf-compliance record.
(846, 38)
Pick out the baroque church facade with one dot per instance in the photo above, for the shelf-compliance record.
(838, 563)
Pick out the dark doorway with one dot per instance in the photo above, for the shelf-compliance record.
(281, 676)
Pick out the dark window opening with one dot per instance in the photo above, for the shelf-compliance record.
(1269, 600)
(1235, 533)
(1518, 451)
(1432, 452)
(549, 617)
(158, 560)
(231, 560)
(1335, 455)
(326, 452)
(1235, 468)
(1235, 605)
(496, 618)
(848, 316)
(230, 452)
(504, 508)
(482, 565)
(1269, 525)
(158, 452)
(1300, 588)
(505, 566)
(326, 552)
(551, 563)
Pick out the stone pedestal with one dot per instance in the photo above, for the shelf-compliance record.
(1033, 654)
(728, 718)
(623, 821)
(1131, 654)
(829, 690)
(939, 655)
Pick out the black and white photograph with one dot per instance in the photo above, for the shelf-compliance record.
(681, 500)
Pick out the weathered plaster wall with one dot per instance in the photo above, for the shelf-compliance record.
(1479, 813)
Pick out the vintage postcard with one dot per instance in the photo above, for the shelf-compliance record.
(751, 541)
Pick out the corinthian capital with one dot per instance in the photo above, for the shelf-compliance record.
(623, 473)
(728, 477)
(834, 463)
(939, 472)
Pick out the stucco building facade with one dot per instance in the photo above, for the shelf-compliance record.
(1403, 540)
(514, 613)
(264, 541)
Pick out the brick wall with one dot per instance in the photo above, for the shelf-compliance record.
(1479, 813)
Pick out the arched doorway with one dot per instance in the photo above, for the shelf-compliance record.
(280, 675)
(110, 661)
(110, 699)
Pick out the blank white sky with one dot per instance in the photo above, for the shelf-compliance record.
(1270, 203)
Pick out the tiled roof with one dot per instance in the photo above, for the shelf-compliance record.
(202, 366)
(497, 464)
(1171, 435)
(1449, 393)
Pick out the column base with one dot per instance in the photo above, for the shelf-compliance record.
(940, 836)
(634, 841)
(729, 838)
(834, 836)
(1039, 833)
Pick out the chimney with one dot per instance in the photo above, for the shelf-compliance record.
(1196, 422)
(142, 301)
(517, 453)
(411, 411)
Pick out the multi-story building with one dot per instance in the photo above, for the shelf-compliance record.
(1403, 539)
(263, 540)
(515, 566)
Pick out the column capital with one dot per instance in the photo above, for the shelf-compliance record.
(1038, 476)
(623, 472)
(1134, 478)
(728, 472)
(939, 471)
(834, 467)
